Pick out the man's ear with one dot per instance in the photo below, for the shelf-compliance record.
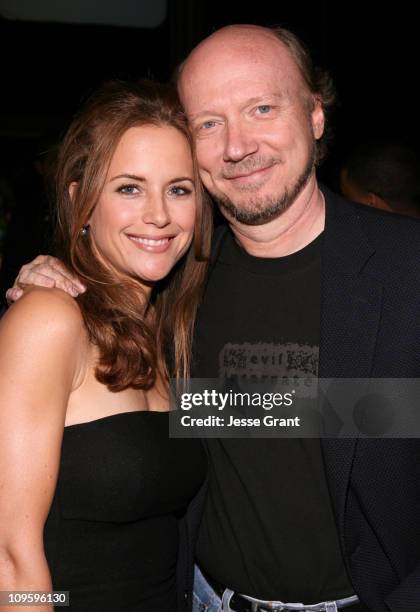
(318, 118)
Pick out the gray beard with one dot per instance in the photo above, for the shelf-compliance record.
(262, 211)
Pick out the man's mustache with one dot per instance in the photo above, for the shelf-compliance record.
(246, 166)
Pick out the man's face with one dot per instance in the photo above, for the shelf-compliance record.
(253, 121)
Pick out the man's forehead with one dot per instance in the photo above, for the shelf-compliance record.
(217, 90)
(224, 67)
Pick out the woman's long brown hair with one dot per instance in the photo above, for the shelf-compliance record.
(134, 334)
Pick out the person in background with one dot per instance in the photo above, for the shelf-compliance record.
(384, 176)
(91, 488)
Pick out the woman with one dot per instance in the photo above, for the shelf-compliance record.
(91, 485)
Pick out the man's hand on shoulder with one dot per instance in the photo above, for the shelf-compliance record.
(45, 271)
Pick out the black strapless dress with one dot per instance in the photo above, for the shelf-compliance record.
(111, 536)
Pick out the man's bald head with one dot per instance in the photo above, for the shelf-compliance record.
(227, 40)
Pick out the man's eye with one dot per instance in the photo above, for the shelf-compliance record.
(128, 189)
(207, 125)
(264, 109)
(177, 190)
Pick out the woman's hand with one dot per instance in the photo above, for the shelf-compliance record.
(45, 271)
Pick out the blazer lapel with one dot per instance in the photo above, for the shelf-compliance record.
(350, 314)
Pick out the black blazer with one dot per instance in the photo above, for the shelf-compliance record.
(370, 306)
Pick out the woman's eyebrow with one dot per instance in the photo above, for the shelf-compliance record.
(182, 178)
(133, 177)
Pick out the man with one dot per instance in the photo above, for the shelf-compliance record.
(302, 284)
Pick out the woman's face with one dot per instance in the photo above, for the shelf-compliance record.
(144, 220)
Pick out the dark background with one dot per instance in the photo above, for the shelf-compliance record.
(369, 48)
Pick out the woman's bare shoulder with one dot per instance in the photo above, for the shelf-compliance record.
(45, 326)
(52, 308)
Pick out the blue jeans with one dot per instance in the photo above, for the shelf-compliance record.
(205, 599)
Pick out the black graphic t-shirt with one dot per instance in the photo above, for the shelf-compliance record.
(268, 530)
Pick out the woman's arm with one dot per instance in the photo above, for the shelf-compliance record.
(40, 347)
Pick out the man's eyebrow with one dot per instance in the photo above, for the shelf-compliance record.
(201, 114)
(269, 96)
(246, 103)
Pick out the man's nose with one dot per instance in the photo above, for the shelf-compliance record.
(239, 142)
(156, 211)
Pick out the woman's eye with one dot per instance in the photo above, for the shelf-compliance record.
(128, 189)
(177, 190)
(264, 109)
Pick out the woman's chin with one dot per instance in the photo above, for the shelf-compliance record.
(152, 276)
